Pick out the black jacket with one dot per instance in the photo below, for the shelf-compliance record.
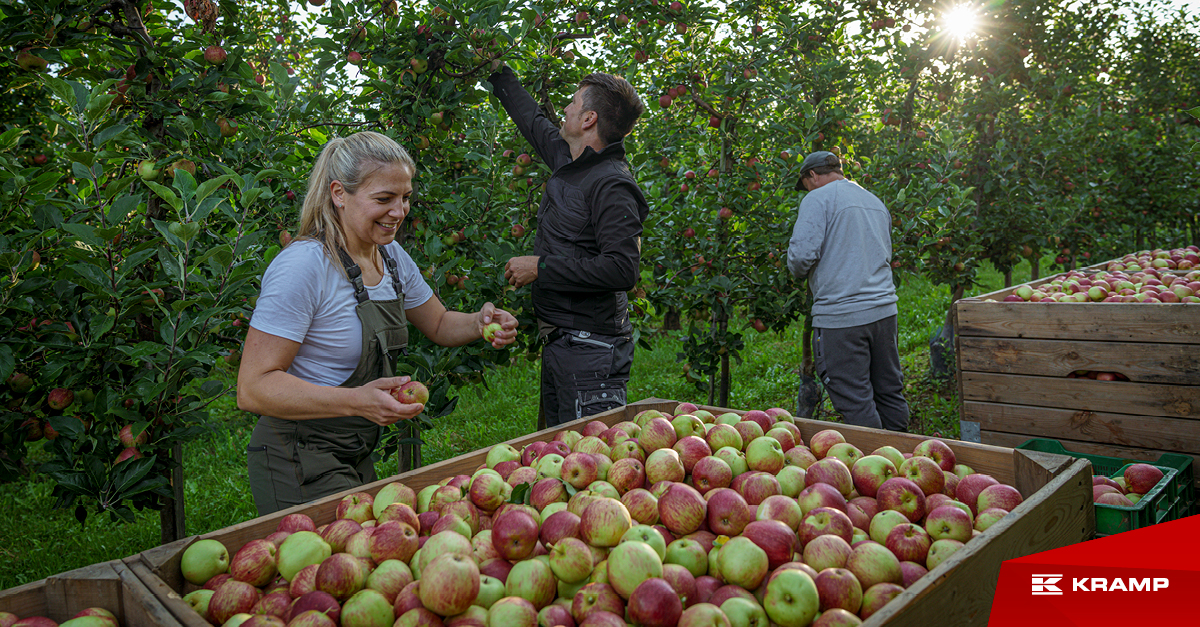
(589, 223)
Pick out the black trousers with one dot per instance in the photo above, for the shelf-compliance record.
(860, 368)
(583, 374)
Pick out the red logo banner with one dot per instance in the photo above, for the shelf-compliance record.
(1147, 576)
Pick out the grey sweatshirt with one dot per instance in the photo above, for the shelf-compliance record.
(842, 243)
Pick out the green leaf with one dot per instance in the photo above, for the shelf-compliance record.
(61, 90)
(93, 275)
(1194, 112)
(7, 362)
(84, 233)
(166, 194)
(520, 493)
(68, 426)
(185, 183)
(210, 186)
(101, 325)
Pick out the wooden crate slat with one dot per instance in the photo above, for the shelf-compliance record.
(959, 591)
(1150, 432)
(170, 599)
(999, 438)
(1141, 362)
(97, 585)
(139, 607)
(1106, 322)
(109, 585)
(1118, 397)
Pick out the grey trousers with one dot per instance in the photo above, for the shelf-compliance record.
(583, 374)
(860, 369)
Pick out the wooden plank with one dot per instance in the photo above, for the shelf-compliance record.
(1117, 397)
(1176, 323)
(164, 560)
(1141, 362)
(959, 591)
(1091, 448)
(1151, 432)
(170, 599)
(1035, 469)
(139, 607)
(25, 600)
(91, 586)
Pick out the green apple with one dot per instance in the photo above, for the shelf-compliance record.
(198, 600)
(743, 612)
(791, 599)
(300, 549)
(367, 608)
(689, 554)
(502, 453)
(490, 331)
(729, 418)
(490, 591)
(631, 563)
(203, 560)
(148, 170)
(743, 563)
(649, 535)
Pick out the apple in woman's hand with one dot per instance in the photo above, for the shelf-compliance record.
(413, 392)
(490, 331)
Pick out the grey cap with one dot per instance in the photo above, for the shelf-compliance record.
(815, 160)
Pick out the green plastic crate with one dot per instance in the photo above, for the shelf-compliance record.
(1173, 498)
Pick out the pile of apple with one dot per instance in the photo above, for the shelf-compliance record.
(91, 617)
(1128, 489)
(1172, 259)
(1116, 286)
(688, 519)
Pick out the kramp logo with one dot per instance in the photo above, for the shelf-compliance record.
(1145, 576)
(1044, 585)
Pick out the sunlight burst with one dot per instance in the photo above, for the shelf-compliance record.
(961, 21)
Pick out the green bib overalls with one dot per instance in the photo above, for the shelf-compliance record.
(297, 461)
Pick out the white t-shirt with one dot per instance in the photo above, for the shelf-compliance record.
(306, 299)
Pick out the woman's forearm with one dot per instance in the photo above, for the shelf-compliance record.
(286, 396)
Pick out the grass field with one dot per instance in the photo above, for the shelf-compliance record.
(37, 541)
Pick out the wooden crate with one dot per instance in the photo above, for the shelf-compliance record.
(110, 585)
(959, 592)
(1013, 359)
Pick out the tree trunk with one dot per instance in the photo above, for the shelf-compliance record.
(171, 518)
(942, 345)
(1035, 267)
(1008, 278)
(671, 319)
(724, 380)
(808, 401)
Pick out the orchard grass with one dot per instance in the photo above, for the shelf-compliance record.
(37, 541)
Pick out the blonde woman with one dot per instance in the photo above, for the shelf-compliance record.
(330, 322)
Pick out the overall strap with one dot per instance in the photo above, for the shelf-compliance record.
(354, 273)
(393, 271)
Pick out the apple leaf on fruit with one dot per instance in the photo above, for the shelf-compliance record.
(520, 494)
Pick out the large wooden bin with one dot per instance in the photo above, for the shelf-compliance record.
(110, 585)
(1057, 512)
(1014, 358)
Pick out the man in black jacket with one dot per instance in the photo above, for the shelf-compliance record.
(586, 252)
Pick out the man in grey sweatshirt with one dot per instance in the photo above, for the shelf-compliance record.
(842, 244)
